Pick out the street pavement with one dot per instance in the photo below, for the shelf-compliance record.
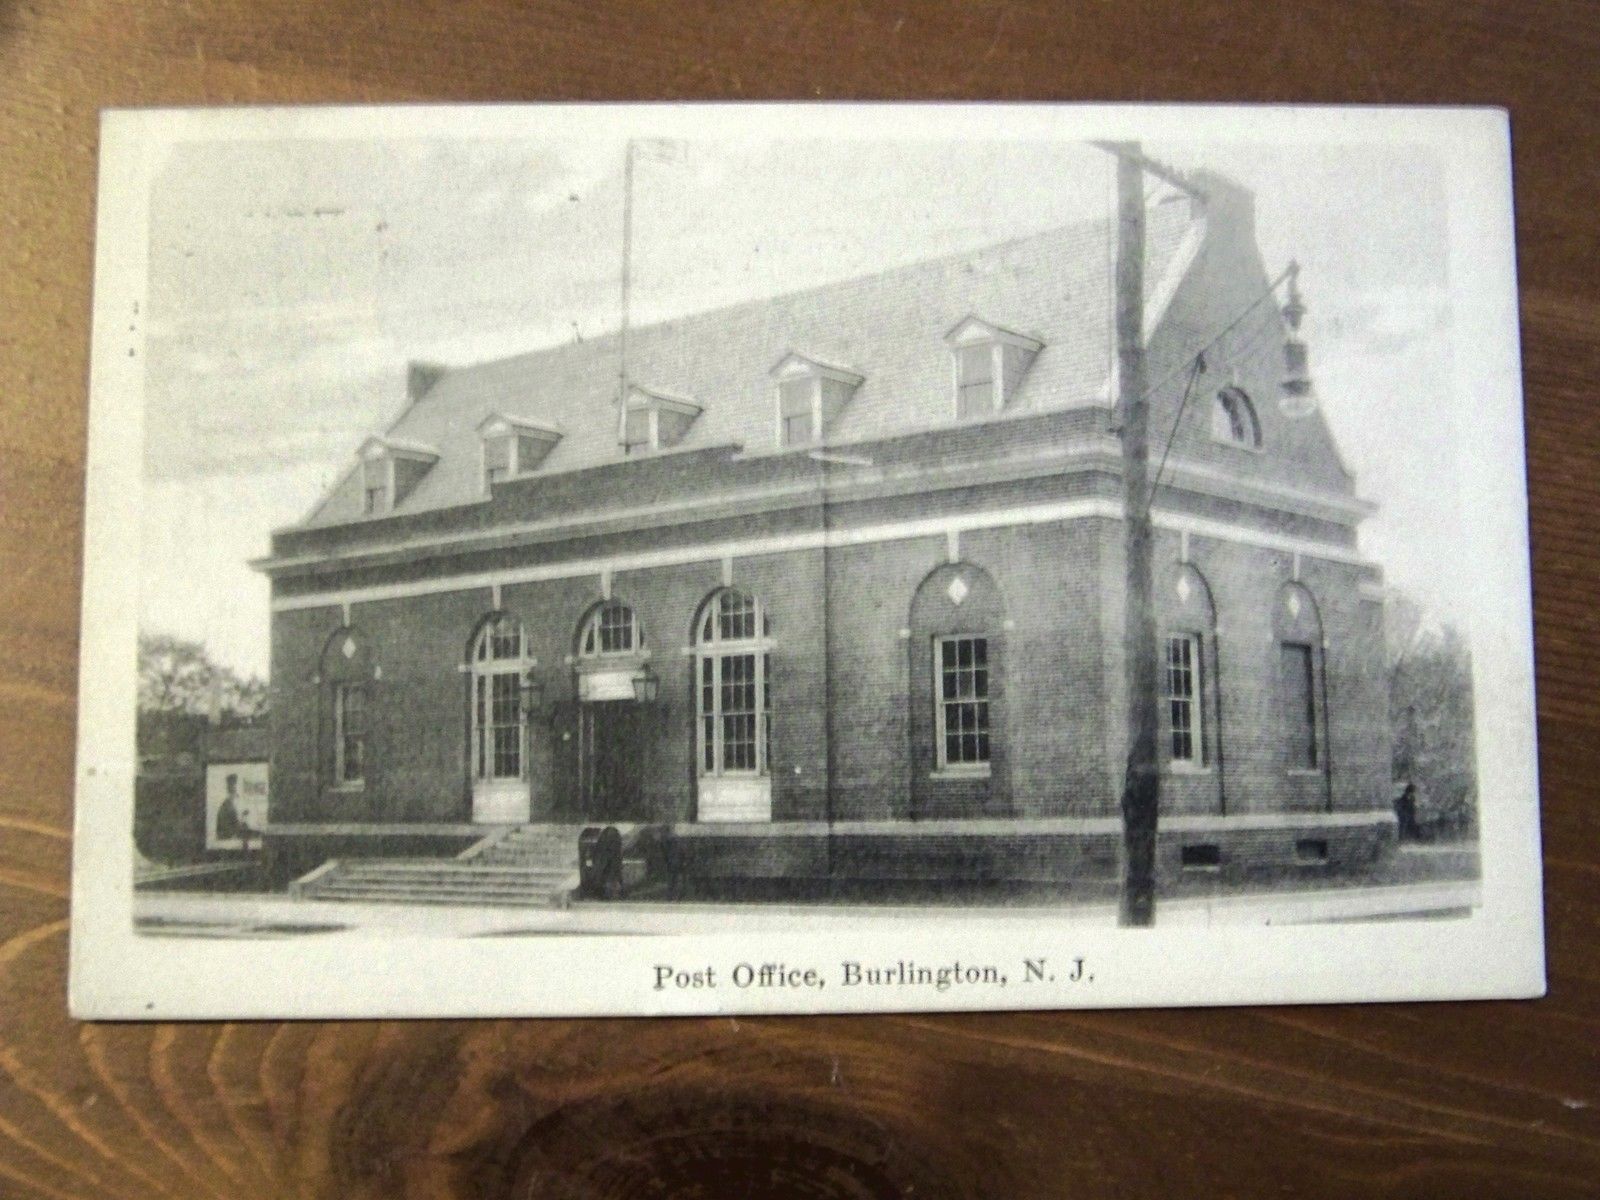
(275, 916)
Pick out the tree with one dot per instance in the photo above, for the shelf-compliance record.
(181, 690)
(1431, 712)
(177, 678)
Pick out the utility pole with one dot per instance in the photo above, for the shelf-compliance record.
(1141, 788)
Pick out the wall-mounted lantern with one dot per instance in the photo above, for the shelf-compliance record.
(646, 685)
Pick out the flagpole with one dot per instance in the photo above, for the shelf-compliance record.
(627, 259)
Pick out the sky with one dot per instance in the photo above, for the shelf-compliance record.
(292, 281)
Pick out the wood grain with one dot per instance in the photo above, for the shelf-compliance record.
(1400, 1101)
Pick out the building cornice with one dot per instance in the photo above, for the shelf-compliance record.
(821, 539)
(1089, 455)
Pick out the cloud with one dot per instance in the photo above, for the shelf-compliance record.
(1381, 322)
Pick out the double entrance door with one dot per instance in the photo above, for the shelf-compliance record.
(611, 738)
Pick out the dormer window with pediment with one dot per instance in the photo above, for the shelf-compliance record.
(653, 420)
(390, 470)
(810, 395)
(513, 446)
(989, 366)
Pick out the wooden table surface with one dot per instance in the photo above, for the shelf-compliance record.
(1458, 1100)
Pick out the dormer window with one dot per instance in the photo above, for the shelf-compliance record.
(810, 395)
(653, 420)
(513, 446)
(390, 470)
(989, 366)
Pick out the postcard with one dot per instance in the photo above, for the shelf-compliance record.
(647, 559)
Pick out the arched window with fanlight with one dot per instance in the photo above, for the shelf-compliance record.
(611, 628)
(499, 661)
(733, 707)
(1233, 419)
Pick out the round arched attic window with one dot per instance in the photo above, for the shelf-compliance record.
(1233, 419)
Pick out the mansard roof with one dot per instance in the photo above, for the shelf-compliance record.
(1053, 287)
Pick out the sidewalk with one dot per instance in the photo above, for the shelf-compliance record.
(236, 916)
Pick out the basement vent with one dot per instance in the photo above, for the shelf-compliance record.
(1201, 856)
(1311, 850)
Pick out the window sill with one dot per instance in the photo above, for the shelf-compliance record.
(347, 788)
(1304, 772)
(959, 774)
(1183, 768)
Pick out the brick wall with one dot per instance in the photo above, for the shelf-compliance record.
(860, 713)
(1187, 860)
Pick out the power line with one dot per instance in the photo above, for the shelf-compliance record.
(1226, 329)
(1198, 364)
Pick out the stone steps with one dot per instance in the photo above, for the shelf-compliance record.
(400, 894)
(543, 846)
(420, 872)
(535, 866)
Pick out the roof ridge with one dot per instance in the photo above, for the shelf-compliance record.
(611, 334)
(1052, 284)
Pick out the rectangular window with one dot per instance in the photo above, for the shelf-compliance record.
(796, 403)
(738, 708)
(350, 733)
(735, 714)
(480, 722)
(1297, 682)
(708, 714)
(962, 709)
(974, 381)
(766, 713)
(1185, 743)
(505, 725)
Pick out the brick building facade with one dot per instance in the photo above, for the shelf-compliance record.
(850, 560)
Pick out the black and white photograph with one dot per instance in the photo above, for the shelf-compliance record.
(633, 559)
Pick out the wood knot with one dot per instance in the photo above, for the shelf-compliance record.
(677, 1143)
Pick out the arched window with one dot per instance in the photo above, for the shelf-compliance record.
(731, 696)
(611, 628)
(499, 660)
(956, 637)
(1233, 419)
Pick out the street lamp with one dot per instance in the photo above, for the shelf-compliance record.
(1297, 398)
(646, 685)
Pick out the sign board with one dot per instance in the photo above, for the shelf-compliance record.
(236, 805)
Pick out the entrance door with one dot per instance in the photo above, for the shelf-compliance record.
(613, 760)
